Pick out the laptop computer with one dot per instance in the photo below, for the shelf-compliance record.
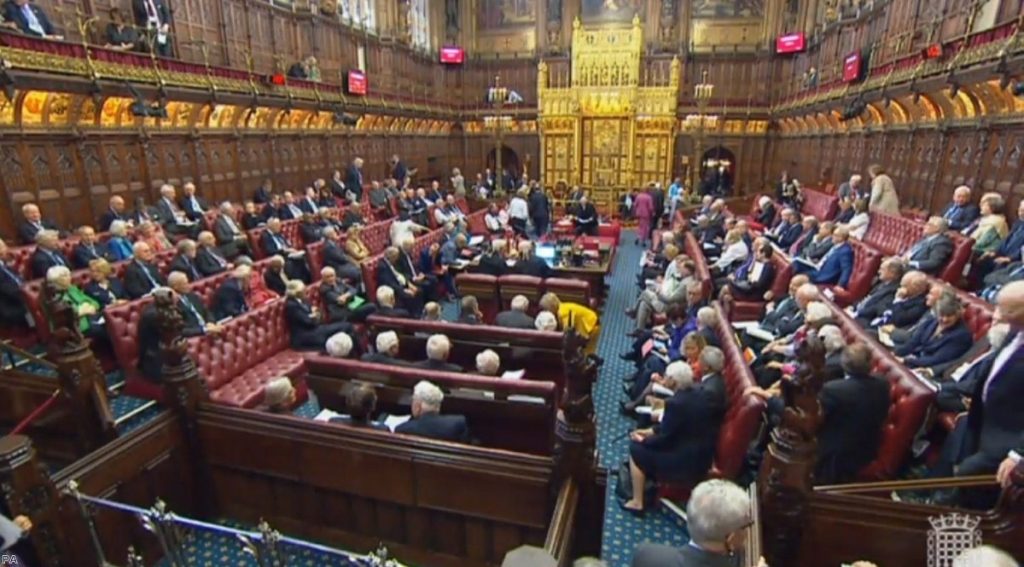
(546, 252)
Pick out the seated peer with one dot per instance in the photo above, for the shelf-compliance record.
(516, 317)
(879, 299)
(230, 299)
(961, 213)
(752, 281)
(87, 249)
(185, 260)
(34, 223)
(469, 311)
(492, 261)
(707, 322)
(386, 304)
(87, 309)
(427, 420)
(147, 232)
(438, 348)
(360, 403)
(386, 345)
(279, 396)
(718, 517)
(784, 315)
(354, 246)
(47, 253)
(308, 202)
(571, 315)
(860, 221)
(945, 338)
(275, 277)
(250, 217)
(670, 291)
(815, 247)
(142, 212)
(118, 245)
(335, 256)
(991, 228)
(1009, 251)
(102, 287)
(488, 363)
(342, 300)
(666, 341)
(909, 304)
(209, 260)
(934, 250)
(257, 293)
(529, 264)
(681, 446)
(407, 266)
(834, 342)
(353, 215)
(956, 381)
(193, 205)
(775, 357)
(391, 275)
(766, 211)
(895, 338)
(586, 218)
(846, 212)
(230, 238)
(339, 345)
(288, 209)
(274, 243)
(264, 192)
(191, 306)
(735, 251)
(642, 391)
(657, 264)
(141, 276)
(449, 254)
(432, 312)
(309, 230)
(546, 321)
(787, 231)
(171, 217)
(809, 229)
(305, 325)
(994, 282)
(855, 410)
(836, 266)
(150, 355)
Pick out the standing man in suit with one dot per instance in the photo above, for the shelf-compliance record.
(961, 213)
(195, 207)
(931, 253)
(116, 211)
(87, 249)
(154, 17)
(229, 237)
(837, 265)
(881, 296)
(427, 420)
(354, 179)
(185, 260)
(516, 317)
(141, 276)
(30, 19)
(33, 223)
(12, 303)
(398, 171)
(438, 348)
(47, 253)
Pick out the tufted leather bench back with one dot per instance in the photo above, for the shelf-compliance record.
(819, 204)
(911, 401)
(377, 236)
(475, 222)
(123, 328)
(512, 285)
(20, 257)
(246, 341)
(692, 249)
(485, 288)
(893, 235)
(32, 291)
(570, 290)
(743, 417)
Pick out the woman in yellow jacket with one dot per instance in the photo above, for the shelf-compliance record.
(579, 317)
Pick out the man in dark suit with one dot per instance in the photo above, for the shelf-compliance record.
(516, 317)
(150, 357)
(12, 303)
(787, 231)
(491, 262)
(387, 350)
(933, 251)
(185, 260)
(943, 339)
(116, 211)
(818, 244)
(230, 238)
(141, 276)
(399, 172)
(288, 210)
(408, 294)
(338, 299)
(30, 19)
(264, 192)
(354, 179)
(529, 264)
(658, 198)
(309, 230)
(337, 185)
(334, 256)
(961, 213)
(587, 219)
(881, 296)
(855, 408)
(209, 260)
(754, 278)
(837, 265)
(193, 310)
(438, 347)
(409, 267)
(87, 249)
(274, 243)
(957, 379)
(308, 202)
(540, 210)
(427, 420)
(193, 205)
(33, 223)
(154, 18)
(229, 299)
(909, 304)
(172, 218)
(47, 253)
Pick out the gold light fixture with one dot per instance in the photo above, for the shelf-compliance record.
(701, 122)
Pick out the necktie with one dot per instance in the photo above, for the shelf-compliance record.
(149, 276)
(296, 212)
(151, 12)
(952, 211)
(192, 269)
(279, 241)
(57, 259)
(32, 20)
(195, 204)
(231, 223)
(192, 308)
(17, 279)
(217, 257)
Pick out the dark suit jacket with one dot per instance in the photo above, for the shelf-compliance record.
(906, 313)
(381, 358)
(108, 217)
(385, 276)
(190, 211)
(302, 325)
(186, 266)
(347, 420)
(754, 289)
(261, 195)
(198, 319)
(13, 13)
(142, 17)
(787, 236)
(785, 319)
(229, 300)
(150, 362)
(959, 217)
(878, 300)
(354, 181)
(251, 221)
(334, 256)
(837, 268)
(136, 284)
(43, 260)
(1010, 248)
(330, 295)
(310, 232)
(209, 262)
(491, 264)
(767, 216)
(272, 245)
(925, 349)
(514, 320)
(435, 426)
(431, 364)
(274, 282)
(337, 189)
(855, 409)
(931, 255)
(683, 444)
(533, 266)
(995, 423)
(165, 212)
(82, 255)
(944, 371)
(27, 231)
(222, 231)
(659, 555)
(106, 296)
(396, 312)
(12, 305)
(816, 250)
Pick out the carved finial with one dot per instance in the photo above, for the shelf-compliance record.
(576, 23)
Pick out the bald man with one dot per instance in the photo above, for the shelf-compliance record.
(33, 223)
(115, 211)
(961, 213)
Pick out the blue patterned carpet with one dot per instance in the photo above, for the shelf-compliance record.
(205, 548)
(622, 532)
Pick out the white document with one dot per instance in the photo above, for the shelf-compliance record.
(806, 262)
(9, 532)
(526, 399)
(327, 415)
(644, 410)
(393, 421)
(759, 333)
(885, 339)
(659, 390)
(744, 325)
(476, 240)
(513, 374)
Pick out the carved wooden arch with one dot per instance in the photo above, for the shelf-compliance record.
(801, 125)
(993, 97)
(875, 116)
(961, 106)
(895, 112)
(925, 109)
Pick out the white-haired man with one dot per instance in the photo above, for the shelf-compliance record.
(142, 276)
(47, 253)
(427, 420)
(546, 321)
(935, 248)
(341, 300)
(193, 205)
(172, 218)
(386, 304)
(387, 347)
(231, 300)
(339, 345)
(516, 317)
(961, 213)
(33, 223)
(438, 349)
(488, 363)
(231, 240)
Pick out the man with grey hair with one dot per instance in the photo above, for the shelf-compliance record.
(386, 303)
(488, 363)
(172, 218)
(712, 363)
(933, 251)
(516, 317)
(33, 223)
(185, 260)
(851, 189)
(339, 345)
(230, 300)
(944, 338)
(47, 253)
(387, 348)
(209, 259)
(427, 420)
(787, 231)
(438, 348)
(193, 205)
(882, 295)
(334, 255)
(142, 276)
(961, 213)
(836, 266)
(718, 517)
(231, 239)
(546, 321)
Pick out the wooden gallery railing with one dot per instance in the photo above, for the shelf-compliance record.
(429, 502)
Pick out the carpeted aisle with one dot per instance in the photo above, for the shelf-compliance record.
(622, 531)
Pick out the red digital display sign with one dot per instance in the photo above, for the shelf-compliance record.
(790, 43)
(453, 55)
(356, 83)
(851, 67)
(933, 51)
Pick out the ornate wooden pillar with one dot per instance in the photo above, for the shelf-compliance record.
(82, 383)
(575, 431)
(28, 491)
(786, 479)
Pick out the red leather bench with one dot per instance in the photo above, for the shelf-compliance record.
(893, 235)
(494, 409)
(703, 273)
(819, 204)
(570, 290)
(484, 288)
(912, 401)
(512, 285)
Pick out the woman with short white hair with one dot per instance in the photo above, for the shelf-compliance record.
(546, 321)
(118, 245)
(278, 396)
(87, 309)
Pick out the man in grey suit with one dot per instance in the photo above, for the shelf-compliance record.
(718, 516)
(932, 252)
(517, 317)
